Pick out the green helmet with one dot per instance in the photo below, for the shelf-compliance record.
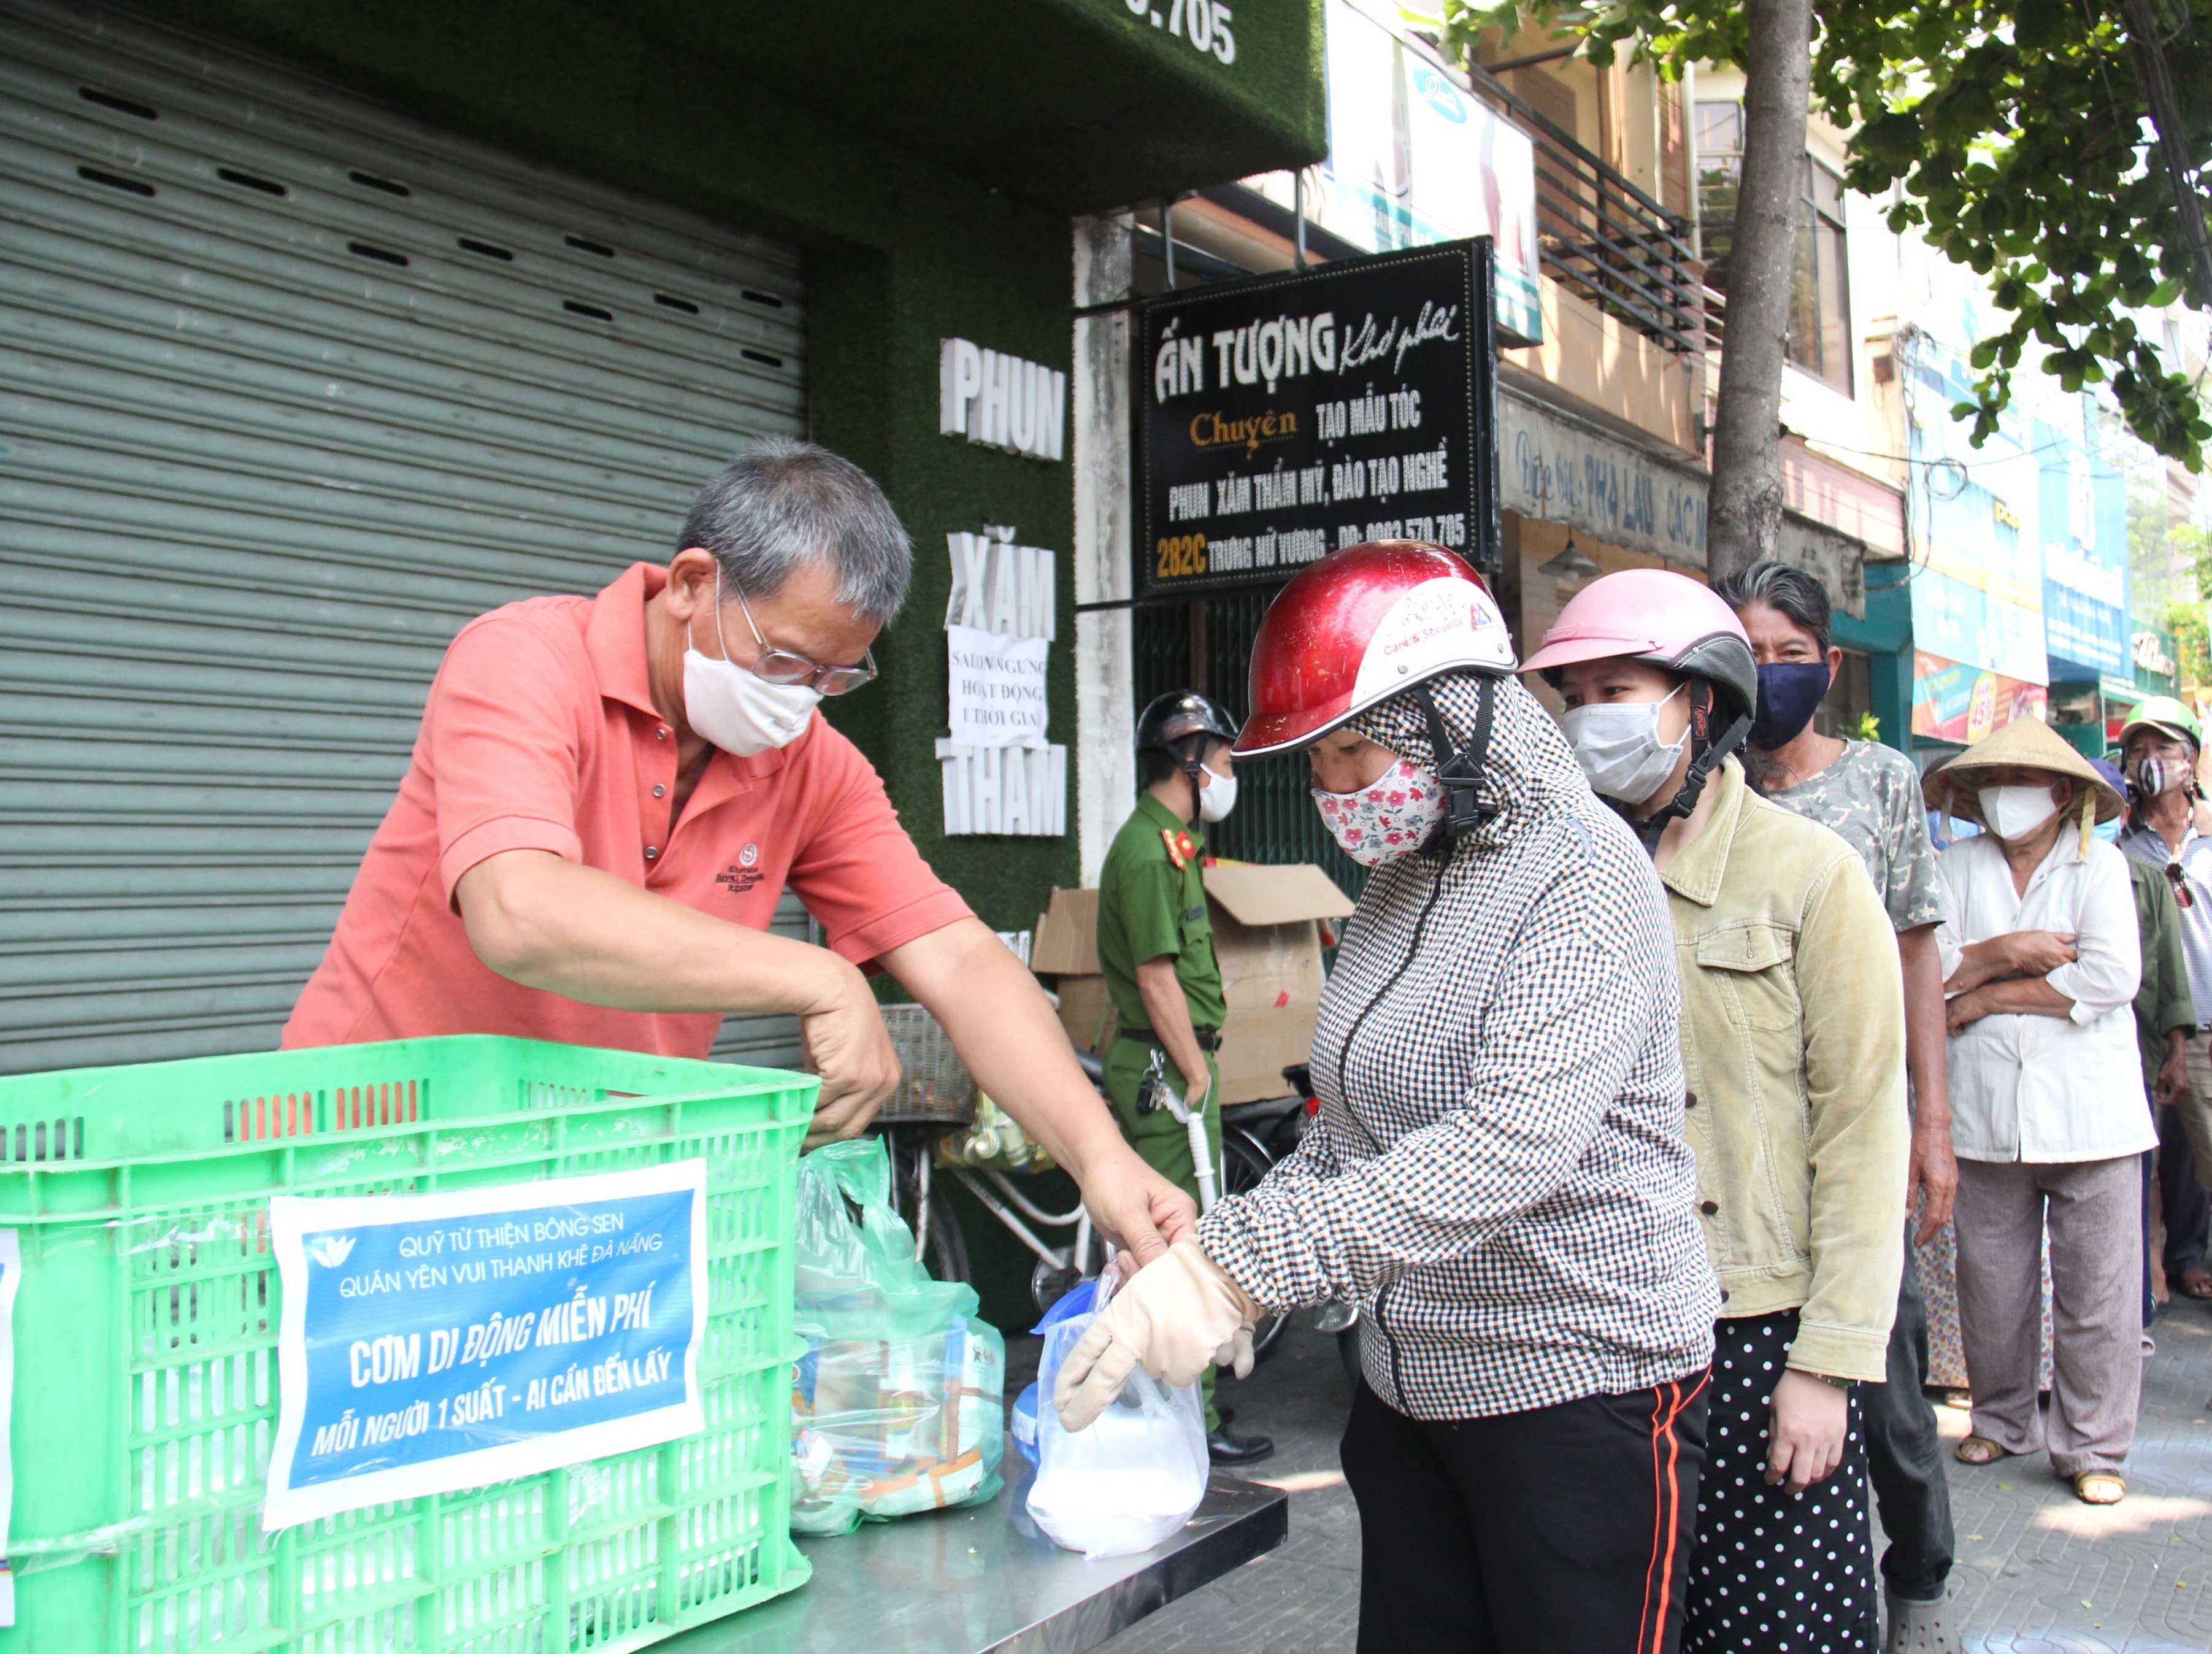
(2169, 717)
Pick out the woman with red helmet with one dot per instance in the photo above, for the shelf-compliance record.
(1793, 1046)
(1497, 1176)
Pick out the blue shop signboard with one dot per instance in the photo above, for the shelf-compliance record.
(2082, 522)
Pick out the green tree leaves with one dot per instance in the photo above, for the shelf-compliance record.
(2016, 139)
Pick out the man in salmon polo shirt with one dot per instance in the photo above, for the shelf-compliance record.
(608, 793)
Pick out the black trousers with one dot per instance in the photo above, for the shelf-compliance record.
(1905, 1455)
(1563, 1530)
(2188, 1209)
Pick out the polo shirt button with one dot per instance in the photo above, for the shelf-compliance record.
(651, 851)
(1708, 1207)
(658, 791)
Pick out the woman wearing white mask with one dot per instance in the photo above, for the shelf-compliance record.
(1497, 1175)
(2041, 959)
(1793, 1046)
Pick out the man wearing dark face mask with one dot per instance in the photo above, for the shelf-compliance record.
(609, 794)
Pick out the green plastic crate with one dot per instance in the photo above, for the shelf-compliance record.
(145, 1328)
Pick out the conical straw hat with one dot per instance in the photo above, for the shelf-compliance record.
(2024, 741)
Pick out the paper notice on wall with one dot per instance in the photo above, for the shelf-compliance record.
(996, 688)
(436, 1342)
(11, 1271)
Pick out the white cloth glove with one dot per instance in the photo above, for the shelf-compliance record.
(1176, 1314)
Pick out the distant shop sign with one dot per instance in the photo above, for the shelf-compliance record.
(1960, 703)
(1556, 468)
(1416, 159)
(1281, 418)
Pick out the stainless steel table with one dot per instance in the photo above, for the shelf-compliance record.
(962, 1582)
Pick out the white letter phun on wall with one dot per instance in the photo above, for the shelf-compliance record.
(999, 401)
(1000, 774)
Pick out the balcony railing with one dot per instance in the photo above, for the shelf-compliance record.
(1606, 240)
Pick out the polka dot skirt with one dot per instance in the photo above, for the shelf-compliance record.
(1772, 1574)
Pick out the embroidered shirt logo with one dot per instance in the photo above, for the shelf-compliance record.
(744, 874)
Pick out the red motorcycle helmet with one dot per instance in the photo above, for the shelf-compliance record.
(1359, 626)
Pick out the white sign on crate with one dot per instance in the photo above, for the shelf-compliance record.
(436, 1342)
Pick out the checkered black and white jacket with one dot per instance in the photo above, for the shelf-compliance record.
(1497, 1175)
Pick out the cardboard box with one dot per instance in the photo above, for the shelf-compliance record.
(1267, 938)
(1086, 1011)
(1066, 939)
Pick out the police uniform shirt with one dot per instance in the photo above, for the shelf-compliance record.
(1151, 902)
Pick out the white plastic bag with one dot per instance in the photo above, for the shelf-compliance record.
(1130, 1479)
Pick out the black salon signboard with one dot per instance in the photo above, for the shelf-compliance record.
(1282, 416)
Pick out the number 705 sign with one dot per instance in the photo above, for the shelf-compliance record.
(1203, 23)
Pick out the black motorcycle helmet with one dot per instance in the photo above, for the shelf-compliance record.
(1182, 723)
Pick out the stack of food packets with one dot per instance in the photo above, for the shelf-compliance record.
(898, 1403)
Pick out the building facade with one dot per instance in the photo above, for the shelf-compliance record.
(328, 328)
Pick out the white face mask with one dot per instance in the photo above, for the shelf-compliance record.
(1218, 796)
(735, 709)
(1619, 748)
(2015, 812)
(1394, 817)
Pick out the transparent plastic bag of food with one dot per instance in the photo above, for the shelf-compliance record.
(1132, 1479)
(898, 1404)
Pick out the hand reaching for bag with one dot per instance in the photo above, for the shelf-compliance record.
(1176, 1314)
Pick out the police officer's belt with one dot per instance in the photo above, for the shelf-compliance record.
(1209, 1039)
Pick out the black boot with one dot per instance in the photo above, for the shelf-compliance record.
(1224, 1448)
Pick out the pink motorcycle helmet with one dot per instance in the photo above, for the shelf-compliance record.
(1653, 614)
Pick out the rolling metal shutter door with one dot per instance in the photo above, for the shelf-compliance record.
(290, 388)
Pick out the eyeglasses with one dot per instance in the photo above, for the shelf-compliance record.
(782, 666)
(2183, 895)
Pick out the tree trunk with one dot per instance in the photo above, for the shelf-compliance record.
(2155, 75)
(1744, 515)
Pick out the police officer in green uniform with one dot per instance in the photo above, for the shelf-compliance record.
(1156, 949)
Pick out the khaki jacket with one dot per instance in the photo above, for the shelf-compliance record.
(1793, 1049)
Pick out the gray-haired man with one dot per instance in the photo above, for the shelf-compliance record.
(608, 793)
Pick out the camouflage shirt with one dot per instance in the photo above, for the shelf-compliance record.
(1871, 797)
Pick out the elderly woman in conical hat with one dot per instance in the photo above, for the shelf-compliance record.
(2041, 961)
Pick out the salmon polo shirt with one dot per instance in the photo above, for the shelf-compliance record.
(540, 734)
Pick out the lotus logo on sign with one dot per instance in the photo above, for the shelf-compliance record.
(330, 1250)
(1439, 93)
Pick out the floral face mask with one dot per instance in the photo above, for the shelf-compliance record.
(1397, 815)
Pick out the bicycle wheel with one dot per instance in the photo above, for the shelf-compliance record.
(1245, 1161)
(945, 1249)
